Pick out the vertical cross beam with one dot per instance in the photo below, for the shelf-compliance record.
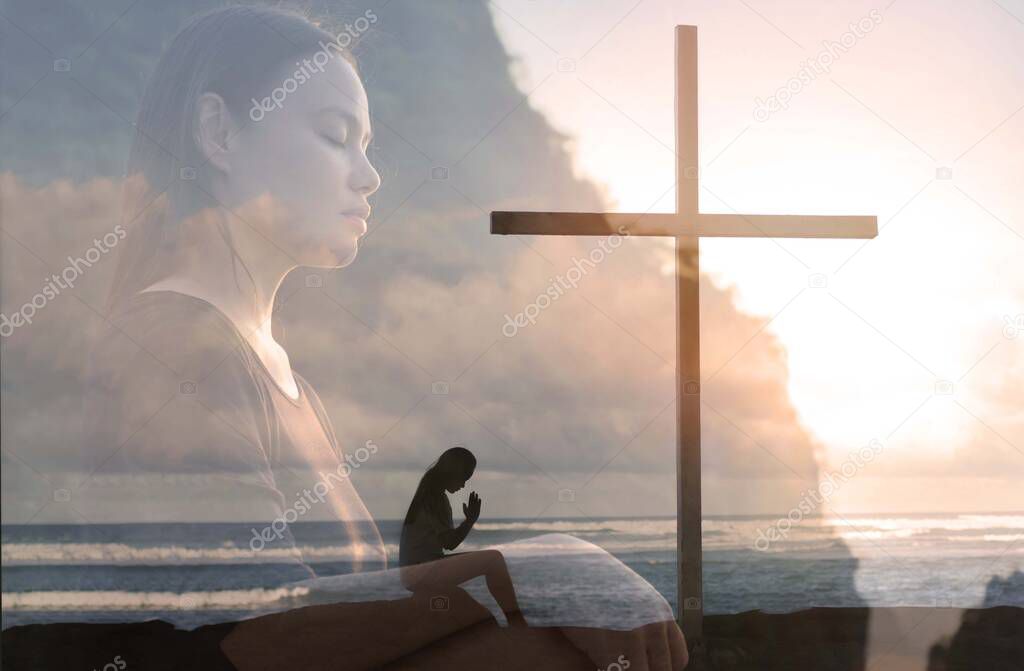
(690, 594)
(686, 226)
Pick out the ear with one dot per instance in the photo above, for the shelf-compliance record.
(215, 131)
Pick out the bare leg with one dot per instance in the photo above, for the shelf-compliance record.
(459, 568)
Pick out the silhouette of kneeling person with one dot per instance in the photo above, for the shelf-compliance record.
(429, 530)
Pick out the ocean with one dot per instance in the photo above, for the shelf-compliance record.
(199, 573)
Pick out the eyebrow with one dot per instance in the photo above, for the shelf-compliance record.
(349, 117)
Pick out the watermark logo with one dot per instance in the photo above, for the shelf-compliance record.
(305, 500)
(117, 664)
(58, 282)
(814, 498)
(620, 664)
(1013, 326)
(559, 285)
(308, 67)
(813, 67)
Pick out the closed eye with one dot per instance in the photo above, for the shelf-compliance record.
(334, 141)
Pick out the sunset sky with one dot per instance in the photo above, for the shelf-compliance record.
(911, 342)
(928, 86)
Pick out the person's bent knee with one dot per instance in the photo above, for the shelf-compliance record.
(494, 558)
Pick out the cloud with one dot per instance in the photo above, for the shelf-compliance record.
(581, 398)
(588, 388)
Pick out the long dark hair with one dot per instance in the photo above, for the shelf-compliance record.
(433, 480)
(234, 52)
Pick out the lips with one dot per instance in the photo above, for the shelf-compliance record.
(356, 222)
(358, 218)
(362, 213)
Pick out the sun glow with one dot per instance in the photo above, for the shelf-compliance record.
(900, 338)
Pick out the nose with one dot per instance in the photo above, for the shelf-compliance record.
(365, 178)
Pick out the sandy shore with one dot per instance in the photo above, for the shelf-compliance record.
(880, 639)
(891, 639)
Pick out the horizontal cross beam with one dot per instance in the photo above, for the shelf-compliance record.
(675, 225)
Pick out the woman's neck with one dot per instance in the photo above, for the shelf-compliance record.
(243, 288)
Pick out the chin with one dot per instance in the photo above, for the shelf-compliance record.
(331, 255)
(346, 259)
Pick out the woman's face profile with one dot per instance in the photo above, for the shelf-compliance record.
(457, 480)
(298, 172)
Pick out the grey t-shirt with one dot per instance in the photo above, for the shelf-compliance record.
(185, 424)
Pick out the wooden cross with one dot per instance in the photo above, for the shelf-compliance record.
(687, 226)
